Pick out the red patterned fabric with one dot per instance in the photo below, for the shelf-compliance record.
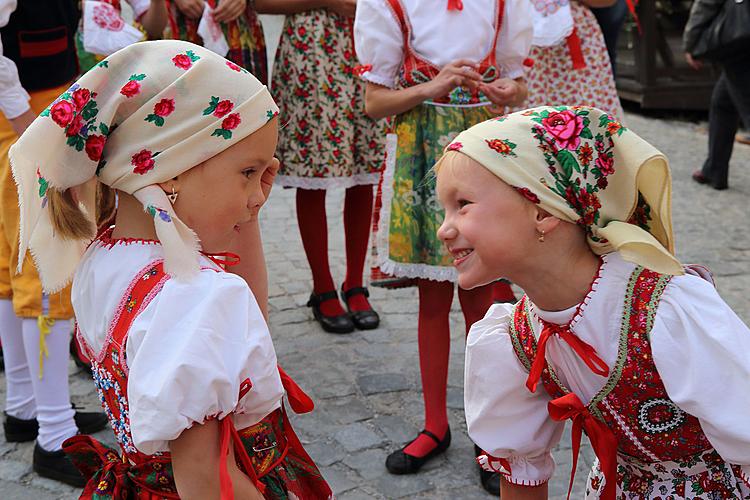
(633, 403)
(416, 69)
(280, 470)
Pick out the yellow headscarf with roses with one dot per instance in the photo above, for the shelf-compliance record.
(583, 167)
(142, 116)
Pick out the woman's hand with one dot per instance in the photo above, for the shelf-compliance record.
(191, 8)
(346, 8)
(696, 64)
(504, 92)
(229, 10)
(459, 73)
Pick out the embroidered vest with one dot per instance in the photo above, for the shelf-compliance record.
(39, 38)
(415, 69)
(633, 402)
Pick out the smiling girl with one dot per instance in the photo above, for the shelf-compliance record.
(181, 353)
(613, 332)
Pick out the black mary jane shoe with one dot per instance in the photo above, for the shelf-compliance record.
(363, 320)
(58, 466)
(400, 462)
(332, 324)
(490, 480)
(19, 430)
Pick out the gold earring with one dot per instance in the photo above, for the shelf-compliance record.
(541, 236)
(172, 197)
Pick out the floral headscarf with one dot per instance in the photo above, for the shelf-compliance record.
(142, 116)
(580, 165)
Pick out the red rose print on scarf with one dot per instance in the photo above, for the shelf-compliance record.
(133, 87)
(95, 146)
(219, 108)
(528, 194)
(229, 123)
(185, 61)
(565, 127)
(75, 126)
(81, 98)
(62, 112)
(162, 109)
(143, 161)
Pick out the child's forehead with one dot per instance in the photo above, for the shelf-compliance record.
(458, 170)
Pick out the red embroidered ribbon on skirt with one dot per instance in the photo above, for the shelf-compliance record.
(108, 474)
(585, 352)
(576, 53)
(603, 441)
(229, 434)
(455, 5)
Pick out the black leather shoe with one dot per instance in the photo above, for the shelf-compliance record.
(18, 430)
(400, 462)
(332, 324)
(58, 466)
(490, 480)
(363, 320)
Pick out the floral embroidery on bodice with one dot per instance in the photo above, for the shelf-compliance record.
(633, 402)
(415, 69)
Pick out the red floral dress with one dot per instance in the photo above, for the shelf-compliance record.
(328, 140)
(646, 445)
(269, 452)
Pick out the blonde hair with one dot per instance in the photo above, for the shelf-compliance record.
(70, 221)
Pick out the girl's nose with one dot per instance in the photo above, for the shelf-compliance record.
(446, 232)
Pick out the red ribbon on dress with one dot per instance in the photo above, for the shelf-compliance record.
(298, 399)
(585, 351)
(229, 434)
(455, 5)
(223, 259)
(361, 69)
(576, 53)
(603, 441)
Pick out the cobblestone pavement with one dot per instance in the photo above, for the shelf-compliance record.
(366, 384)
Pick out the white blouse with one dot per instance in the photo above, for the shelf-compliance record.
(187, 352)
(441, 36)
(699, 345)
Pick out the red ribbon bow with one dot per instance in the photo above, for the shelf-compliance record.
(602, 439)
(585, 351)
(576, 52)
(455, 5)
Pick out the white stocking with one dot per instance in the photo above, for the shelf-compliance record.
(54, 411)
(19, 396)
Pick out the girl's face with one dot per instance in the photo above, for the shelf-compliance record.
(225, 191)
(489, 228)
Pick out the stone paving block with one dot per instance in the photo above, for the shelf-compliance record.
(339, 478)
(455, 398)
(369, 464)
(346, 411)
(395, 428)
(402, 486)
(358, 494)
(53, 486)
(357, 436)
(11, 490)
(325, 453)
(382, 382)
(14, 470)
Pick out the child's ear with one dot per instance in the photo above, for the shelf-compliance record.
(545, 222)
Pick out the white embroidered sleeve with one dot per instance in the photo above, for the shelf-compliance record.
(514, 41)
(378, 42)
(189, 352)
(700, 349)
(503, 417)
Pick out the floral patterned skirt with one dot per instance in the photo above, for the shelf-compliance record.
(407, 242)
(552, 81)
(328, 140)
(705, 476)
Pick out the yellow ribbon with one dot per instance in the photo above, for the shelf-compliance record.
(45, 324)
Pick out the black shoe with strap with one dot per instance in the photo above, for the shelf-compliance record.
(19, 430)
(363, 320)
(400, 462)
(490, 480)
(332, 324)
(58, 466)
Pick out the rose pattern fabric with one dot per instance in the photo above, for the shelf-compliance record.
(552, 80)
(328, 139)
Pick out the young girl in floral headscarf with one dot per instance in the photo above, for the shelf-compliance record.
(181, 353)
(613, 332)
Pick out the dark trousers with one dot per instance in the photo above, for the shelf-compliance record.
(730, 102)
(611, 20)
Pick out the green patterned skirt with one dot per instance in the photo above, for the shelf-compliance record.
(407, 242)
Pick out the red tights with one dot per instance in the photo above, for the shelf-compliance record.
(313, 227)
(435, 298)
